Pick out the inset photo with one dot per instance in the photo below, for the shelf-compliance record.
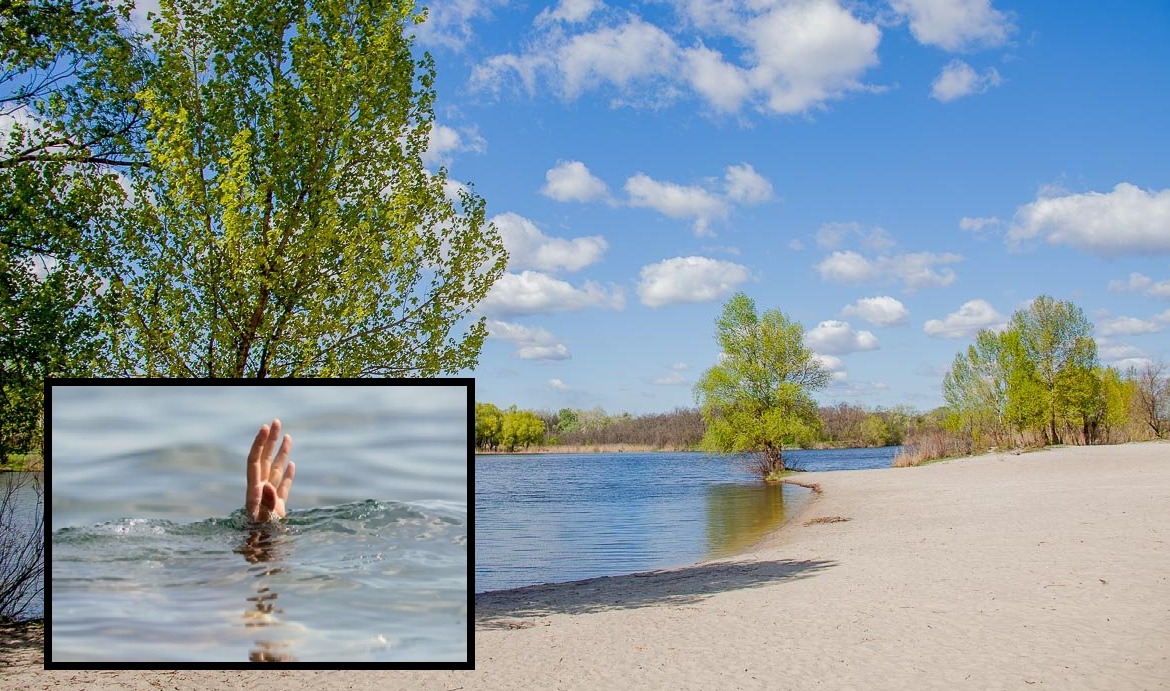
(305, 521)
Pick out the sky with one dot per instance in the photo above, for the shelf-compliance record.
(894, 176)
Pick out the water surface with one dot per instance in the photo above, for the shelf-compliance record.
(549, 518)
(153, 559)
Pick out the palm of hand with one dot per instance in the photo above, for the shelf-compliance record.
(269, 479)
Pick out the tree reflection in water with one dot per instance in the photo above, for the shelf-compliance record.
(265, 547)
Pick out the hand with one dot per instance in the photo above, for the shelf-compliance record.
(268, 481)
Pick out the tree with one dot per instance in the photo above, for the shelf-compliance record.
(521, 428)
(1152, 396)
(70, 123)
(488, 426)
(286, 225)
(976, 388)
(757, 398)
(1057, 340)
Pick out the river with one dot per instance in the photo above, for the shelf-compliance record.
(548, 518)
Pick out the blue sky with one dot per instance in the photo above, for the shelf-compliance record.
(893, 175)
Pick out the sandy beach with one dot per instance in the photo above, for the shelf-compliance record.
(1040, 570)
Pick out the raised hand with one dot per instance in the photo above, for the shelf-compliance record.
(269, 479)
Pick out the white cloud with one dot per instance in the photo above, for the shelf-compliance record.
(1128, 220)
(972, 317)
(571, 181)
(882, 310)
(790, 57)
(1127, 326)
(448, 23)
(672, 379)
(835, 366)
(834, 337)
(1117, 351)
(532, 292)
(916, 270)
(568, 11)
(532, 343)
(445, 141)
(746, 186)
(623, 55)
(557, 385)
(528, 248)
(689, 279)
(835, 235)
(959, 79)
(1140, 283)
(677, 201)
(955, 24)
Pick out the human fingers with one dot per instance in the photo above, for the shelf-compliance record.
(286, 484)
(252, 504)
(255, 467)
(276, 471)
(270, 447)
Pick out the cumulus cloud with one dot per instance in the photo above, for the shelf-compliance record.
(835, 366)
(689, 279)
(445, 141)
(1128, 220)
(788, 57)
(746, 186)
(882, 310)
(532, 342)
(448, 23)
(571, 181)
(970, 319)
(568, 11)
(528, 248)
(837, 338)
(1140, 283)
(677, 201)
(742, 185)
(1127, 326)
(558, 385)
(675, 378)
(959, 79)
(916, 270)
(532, 292)
(955, 25)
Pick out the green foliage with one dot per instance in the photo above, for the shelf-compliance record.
(286, 225)
(757, 398)
(489, 422)
(521, 428)
(70, 121)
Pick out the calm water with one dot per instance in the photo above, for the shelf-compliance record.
(20, 511)
(152, 558)
(559, 517)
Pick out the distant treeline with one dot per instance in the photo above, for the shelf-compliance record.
(841, 425)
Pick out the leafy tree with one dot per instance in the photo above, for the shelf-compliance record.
(67, 78)
(1117, 397)
(976, 388)
(567, 420)
(521, 428)
(1057, 341)
(757, 398)
(286, 225)
(488, 426)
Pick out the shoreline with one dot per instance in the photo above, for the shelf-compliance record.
(1047, 569)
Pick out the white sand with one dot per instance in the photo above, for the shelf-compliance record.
(1043, 570)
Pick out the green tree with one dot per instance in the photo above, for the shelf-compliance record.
(488, 426)
(976, 389)
(757, 398)
(521, 428)
(567, 420)
(286, 225)
(67, 80)
(1057, 340)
